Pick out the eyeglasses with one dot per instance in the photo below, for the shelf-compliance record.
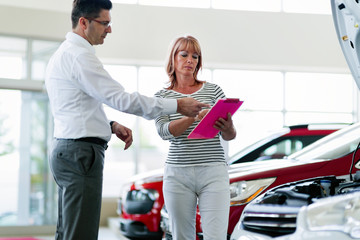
(106, 24)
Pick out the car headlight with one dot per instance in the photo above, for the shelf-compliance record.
(340, 213)
(244, 191)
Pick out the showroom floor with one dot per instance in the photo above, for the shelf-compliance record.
(105, 233)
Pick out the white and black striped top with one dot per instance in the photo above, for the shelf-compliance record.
(184, 151)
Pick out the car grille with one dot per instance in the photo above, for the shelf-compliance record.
(270, 223)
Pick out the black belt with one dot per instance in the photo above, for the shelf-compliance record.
(94, 140)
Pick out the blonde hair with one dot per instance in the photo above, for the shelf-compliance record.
(185, 42)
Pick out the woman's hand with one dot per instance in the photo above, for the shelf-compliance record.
(226, 127)
(179, 126)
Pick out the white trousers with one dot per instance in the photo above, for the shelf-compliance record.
(207, 186)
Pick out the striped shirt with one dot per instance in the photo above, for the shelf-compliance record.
(184, 151)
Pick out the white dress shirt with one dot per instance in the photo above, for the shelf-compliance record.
(77, 85)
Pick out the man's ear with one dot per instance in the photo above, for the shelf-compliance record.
(83, 23)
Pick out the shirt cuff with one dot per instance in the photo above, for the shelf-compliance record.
(167, 132)
(170, 106)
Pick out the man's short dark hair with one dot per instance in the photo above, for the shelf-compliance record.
(88, 8)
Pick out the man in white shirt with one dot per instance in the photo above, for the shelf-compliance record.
(78, 86)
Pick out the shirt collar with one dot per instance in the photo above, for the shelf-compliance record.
(76, 38)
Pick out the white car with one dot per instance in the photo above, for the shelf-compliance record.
(323, 208)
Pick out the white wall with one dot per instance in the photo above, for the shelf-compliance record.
(141, 35)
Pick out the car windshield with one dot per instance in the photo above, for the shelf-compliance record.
(332, 146)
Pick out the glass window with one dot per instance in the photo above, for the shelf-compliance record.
(41, 53)
(307, 6)
(25, 179)
(151, 80)
(125, 75)
(253, 5)
(153, 149)
(25, 130)
(9, 156)
(13, 57)
(319, 92)
(260, 90)
(119, 164)
(256, 115)
(205, 75)
(292, 118)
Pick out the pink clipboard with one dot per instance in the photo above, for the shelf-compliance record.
(221, 108)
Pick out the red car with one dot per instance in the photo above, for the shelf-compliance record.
(142, 200)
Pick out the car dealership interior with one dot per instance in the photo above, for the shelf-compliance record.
(281, 57)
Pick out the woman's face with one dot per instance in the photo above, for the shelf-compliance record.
(186, 61)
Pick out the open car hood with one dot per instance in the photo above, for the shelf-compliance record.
(346, 16)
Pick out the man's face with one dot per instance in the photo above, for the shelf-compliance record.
(98, 28)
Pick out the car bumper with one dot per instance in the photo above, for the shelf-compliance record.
(318, 235)
(133, 229)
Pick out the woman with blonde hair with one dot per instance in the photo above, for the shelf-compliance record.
(196, 172)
